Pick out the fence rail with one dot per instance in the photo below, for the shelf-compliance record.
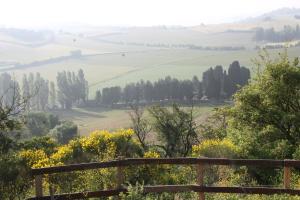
(200, 188)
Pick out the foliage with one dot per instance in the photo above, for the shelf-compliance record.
(64, 132)
(176, 129)
(14, 177)
(216, 149)
(250, 197)
(72, 88)
(40, 123)
(265, 118)
(46, 143)
(263, 122)
(140, 125)
(15, 180)
(107, 145)
(216, 84)
(111, 95)
(215, 126)
(99, 146)
(134, 193)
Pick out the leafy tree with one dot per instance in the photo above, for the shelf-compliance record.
(72, 88)
(149, 91)
(98, 96)
(43, 92)
(82, 86)
(111, 95)
(197, 87)
(64, 132)
(265, 118)
(15, 180)
(212, 83)
(26, 89)
(187, 90)
(176, 129)
(52, 94)
(237, 76)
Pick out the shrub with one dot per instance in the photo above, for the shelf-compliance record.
(64, 132)
(39, 124)
(216, 149)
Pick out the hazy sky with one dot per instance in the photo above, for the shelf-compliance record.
(133, 12)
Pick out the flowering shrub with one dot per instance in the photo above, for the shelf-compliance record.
(98, 146)
(151, 154)
(35, 158)
(216, 149)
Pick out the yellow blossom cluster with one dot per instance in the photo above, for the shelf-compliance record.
(151, 154)
(35, 158)
(99, 145)
(215, 148)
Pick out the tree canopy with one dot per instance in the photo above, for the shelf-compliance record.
(265, 118)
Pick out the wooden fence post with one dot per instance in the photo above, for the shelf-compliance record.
(286, 176)
(39, 185)
(51, 192)
(200, 179)
(120, 175)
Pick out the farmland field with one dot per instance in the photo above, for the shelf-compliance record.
(90, 119)
(113, 69)
(117, 56)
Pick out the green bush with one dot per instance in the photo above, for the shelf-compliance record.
(64, 132)
(39, 124)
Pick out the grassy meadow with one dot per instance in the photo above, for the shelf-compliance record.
(117, 70)
(91, 119)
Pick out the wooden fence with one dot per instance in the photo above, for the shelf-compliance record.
(200, 188)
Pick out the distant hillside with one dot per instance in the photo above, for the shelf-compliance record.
(282, 12)
(276, 19)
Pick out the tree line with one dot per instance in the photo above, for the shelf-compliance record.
(70, 89)
(216, 83)
(288, 33)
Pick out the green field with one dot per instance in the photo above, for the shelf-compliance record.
(112, 64)
(90, 119)
(117, 70)
(111, 59)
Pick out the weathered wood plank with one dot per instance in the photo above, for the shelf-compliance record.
(174, 189)
(38, 185)
(200, 180)
(155, 161)
(287, 177)
(82, 195)
(246, 190)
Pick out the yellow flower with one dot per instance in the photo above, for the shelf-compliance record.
(151, 154)
(35, 158)
(215, 148)
(62, 153)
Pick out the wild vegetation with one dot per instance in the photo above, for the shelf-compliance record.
(262, 122)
